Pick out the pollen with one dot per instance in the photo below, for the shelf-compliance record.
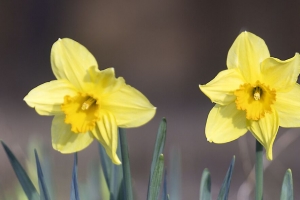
(256, 100)
(82, 112)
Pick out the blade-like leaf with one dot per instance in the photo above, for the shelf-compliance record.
(74, 184)
(125, 166)
(156, 179)
(24, 180)
(158, 148)
(287, 192)
(224, 191)
(44, 195)
(175, 175)
(165, 188)
(159, 143)
(205, 191)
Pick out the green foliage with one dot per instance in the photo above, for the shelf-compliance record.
(224, 191)
(22, 176)
(205, 186)
(287, 186)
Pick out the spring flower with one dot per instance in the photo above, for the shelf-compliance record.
(257, 92)
(87, 103)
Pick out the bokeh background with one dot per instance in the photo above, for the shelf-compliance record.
(165, 49)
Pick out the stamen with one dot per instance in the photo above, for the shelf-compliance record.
(88, 103)
(256, 93)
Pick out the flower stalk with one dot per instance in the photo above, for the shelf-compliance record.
(259, 176)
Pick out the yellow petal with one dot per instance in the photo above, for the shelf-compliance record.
(246, 53)
(265, 131)
(70, 60)
(281, 75)
(48, 97)
(288, 107)
(225, 124)
(104, 81)
(106, 132)
(66, 141)
(130, 107)
(221, 89)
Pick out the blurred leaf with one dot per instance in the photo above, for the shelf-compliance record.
(224, 191)
(158, 148)
(24, 180)
(175, 175)
(155, 182)
(74, 184)
(113, 173)
(287, 192)
(165, 195)
(43, 189)
(205, 187)
(125, 166)
(159, 143)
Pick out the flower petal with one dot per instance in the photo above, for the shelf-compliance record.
(246, 53)
(265, 131)
(66, 141)
(70, 60)
(281, 75)
(221, 89)
(225, 124)
(48, 97)
(106, 132)
(130, 107)
(288, 107)
(103, 82)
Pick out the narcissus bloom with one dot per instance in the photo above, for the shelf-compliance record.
(87, 103)
(257, 92)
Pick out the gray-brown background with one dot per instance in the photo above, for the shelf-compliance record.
(163, 48)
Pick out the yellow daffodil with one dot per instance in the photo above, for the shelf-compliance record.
(87, 103)
(257, 92)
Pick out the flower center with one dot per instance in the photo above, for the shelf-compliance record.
(256, 99)
(82, 112)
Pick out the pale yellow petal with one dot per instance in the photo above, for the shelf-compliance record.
(48, 97)
(246, 53)
(130, 107)
(281, 75)
(265, 131)
(70, 60)
(104, 82)
(106, 132)
(66, 141)
(221, 89)
(225, 124)
(287, 106)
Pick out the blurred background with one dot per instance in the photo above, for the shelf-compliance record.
(165, 49)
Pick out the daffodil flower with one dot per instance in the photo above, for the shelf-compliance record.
(257, 92)
(87, 103)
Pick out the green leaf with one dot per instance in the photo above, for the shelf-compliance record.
(113, 173)
(165, 195)
(74, 185)
(159, 143)
(125, 166)
(156, 180)
(224, 191)
(158, 148)
(24, 180)
(287, 192)
(205, 187)
(44, 195)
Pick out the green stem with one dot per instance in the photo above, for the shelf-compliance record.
(259, 171)
(125, 165)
